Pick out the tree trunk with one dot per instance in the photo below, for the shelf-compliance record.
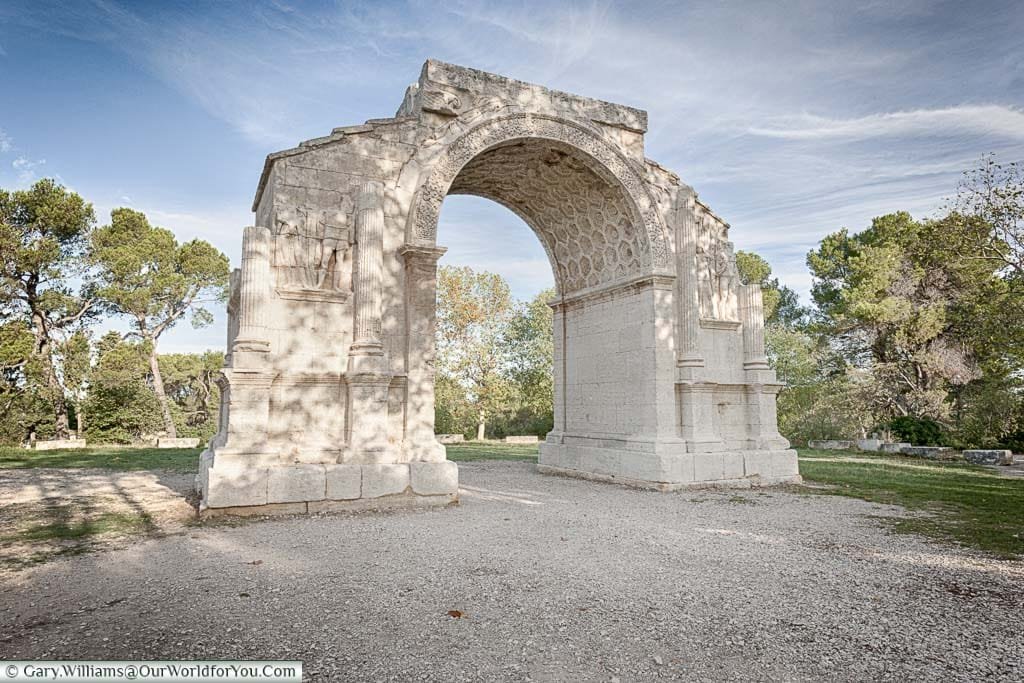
(480, 427)
(79, 420)
(158, 389)
(60, 408)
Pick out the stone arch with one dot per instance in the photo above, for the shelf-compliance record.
(452, 171)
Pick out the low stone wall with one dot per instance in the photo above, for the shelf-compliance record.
(895, 447)
(531, 438)
(60, 444)
(164, 442)
(830, 445)
(870, 445)
(930, 452)
(450, 438)
(989, 457)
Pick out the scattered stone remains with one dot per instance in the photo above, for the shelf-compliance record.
(831, 445)
(184, 442)
(660, 378)
(529, 438)
(870, 445)
(59, 444)
(895, 447)
(451, 438)
(930, 452)
(989, 457)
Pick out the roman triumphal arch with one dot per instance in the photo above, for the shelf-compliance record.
(327, 397)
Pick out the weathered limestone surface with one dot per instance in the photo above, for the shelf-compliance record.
(894, 447)
(989, 457)
(529, 438)
(327, 397)
(870, 445)
(831, 445)
(59, 444)
(181, 442)
(930, 452)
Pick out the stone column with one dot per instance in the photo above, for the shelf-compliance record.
(420, 321)
(689, 298)
(752, 317)
(369, 273)
(369, 376)
(251, 344)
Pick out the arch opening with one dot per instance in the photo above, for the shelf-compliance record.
(583, 219)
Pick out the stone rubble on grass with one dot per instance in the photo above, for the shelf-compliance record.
(60, 444)
(830, 444)
(989, 457)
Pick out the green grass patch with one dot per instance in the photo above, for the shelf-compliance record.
(107, 457)
(482, 450)
(968, 504)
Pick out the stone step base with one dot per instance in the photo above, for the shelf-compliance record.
(671, 471)
(225, 483)
(396, 502)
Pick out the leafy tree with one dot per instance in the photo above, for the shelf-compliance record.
(781, 304)
(145, 275)
(189, 380)
(76, 357)
(120, 402)
(44, 241)
(23, 406)
(993, 193)
(474, 314)
(895, 300)
(531, 352)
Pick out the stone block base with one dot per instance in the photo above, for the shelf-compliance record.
(184, 442)
(230, 485)
(62, 444)
(671, 471)
(989, 457)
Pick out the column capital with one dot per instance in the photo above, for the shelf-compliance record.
(419, 254)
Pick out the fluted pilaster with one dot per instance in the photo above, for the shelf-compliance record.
(689, 301)
(369, 267)
(254, 292)
(752, 316)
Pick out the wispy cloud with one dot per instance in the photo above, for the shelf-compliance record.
(26, 169)
(6, 143)
(989, 119)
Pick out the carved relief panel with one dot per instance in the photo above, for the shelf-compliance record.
(717, 276)
(313, 253)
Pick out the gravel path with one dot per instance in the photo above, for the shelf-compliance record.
(555, 579)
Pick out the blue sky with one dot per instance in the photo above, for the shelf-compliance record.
(792, 119)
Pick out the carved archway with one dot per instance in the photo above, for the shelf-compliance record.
(492, 139)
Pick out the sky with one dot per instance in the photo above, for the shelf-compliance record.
(791, 119)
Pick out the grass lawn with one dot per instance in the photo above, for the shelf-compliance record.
(109, 457)
(968, 504)
(485, 450)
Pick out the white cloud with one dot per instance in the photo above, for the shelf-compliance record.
(26, 169)
(6, 143)
(964, 120)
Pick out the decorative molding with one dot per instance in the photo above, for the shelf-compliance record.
(714, 324)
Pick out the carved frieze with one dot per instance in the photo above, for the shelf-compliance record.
(312, 254)
(717, 276)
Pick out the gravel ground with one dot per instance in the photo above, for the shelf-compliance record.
(555, 579)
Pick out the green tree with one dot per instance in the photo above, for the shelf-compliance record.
(474, 313)
(781, 304)
(44, 241)
(189, 380)
(531, 353)
(76, 365)
(897, 301)
(145, 275)
(122, 406)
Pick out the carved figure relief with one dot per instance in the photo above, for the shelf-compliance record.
(717, 276)
(312, 250)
